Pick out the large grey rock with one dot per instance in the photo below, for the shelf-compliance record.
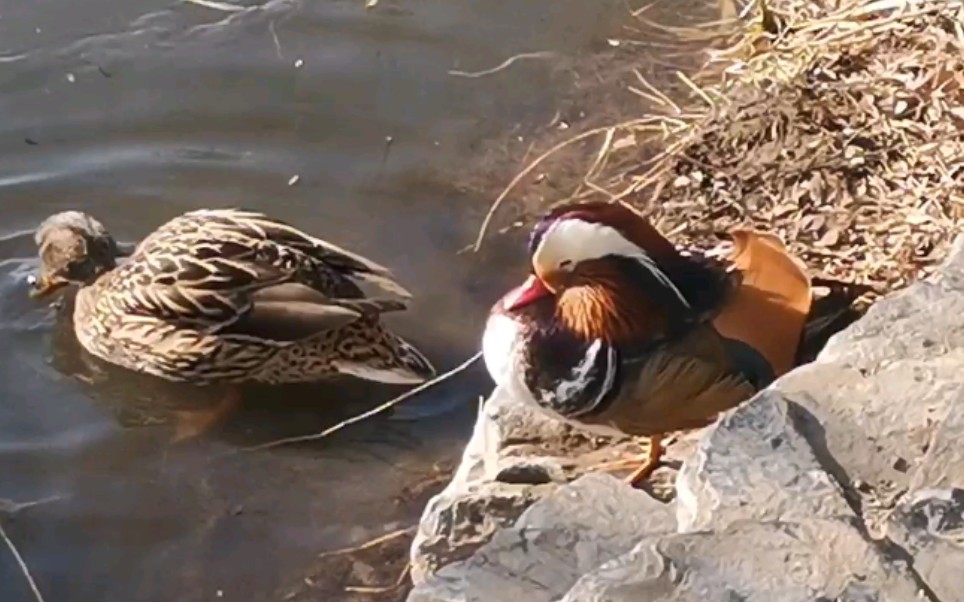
(874, 427)
(920, 322)
(467, 512)
(554, 542)
(751, 562)
(754, 464)
(843, 481)
(943, 463)
(884, 399)
(455, 524)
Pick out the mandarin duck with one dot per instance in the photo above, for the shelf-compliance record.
(225, 296)
(620, 332)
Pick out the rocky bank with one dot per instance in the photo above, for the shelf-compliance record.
(843, 481)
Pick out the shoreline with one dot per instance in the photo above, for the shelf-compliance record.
(789, 136)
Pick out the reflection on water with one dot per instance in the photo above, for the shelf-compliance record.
(138, 110)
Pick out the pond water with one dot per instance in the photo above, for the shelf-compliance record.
(137, 110)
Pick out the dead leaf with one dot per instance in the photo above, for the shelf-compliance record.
(830, 238)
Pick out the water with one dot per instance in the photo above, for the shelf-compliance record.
(136, 110)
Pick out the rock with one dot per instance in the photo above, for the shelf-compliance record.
(751, 562)
(884, 399)
(919, 322)
(515, 457)
(943, 463)
(530, 471)
(456, 523)
(754, 464)
(843, 481)
(875, 425)
(929, 527)
(554, 542)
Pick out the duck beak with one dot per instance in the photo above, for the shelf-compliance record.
(531, 290)
(44, 285)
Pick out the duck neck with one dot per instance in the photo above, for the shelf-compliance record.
(613, 314)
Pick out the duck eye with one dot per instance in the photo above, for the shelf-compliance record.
(565, 265)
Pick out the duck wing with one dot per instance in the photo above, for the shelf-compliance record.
(242, 273)
(768, 310)
(317, 263)
(674, 384)
(754, 338)
(683, 384)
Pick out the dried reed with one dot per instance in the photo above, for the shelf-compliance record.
(837, 124)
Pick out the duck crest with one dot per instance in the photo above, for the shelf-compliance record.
(627, 221)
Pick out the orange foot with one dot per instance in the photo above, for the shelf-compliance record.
(651, 461)
(192, 423)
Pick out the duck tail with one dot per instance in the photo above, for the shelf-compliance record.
(384, 281)
(829, 314)
(390, 359)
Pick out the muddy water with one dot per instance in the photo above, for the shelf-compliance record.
(136, 110)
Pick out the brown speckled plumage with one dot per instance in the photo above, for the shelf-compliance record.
(229, 296)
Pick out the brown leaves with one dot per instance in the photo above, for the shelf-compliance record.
(846, 137)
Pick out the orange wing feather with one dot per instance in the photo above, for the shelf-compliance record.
(769, 309)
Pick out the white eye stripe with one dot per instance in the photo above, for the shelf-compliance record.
(576, 240)
(660, 275)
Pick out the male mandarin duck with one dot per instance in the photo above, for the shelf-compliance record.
(619, 331)
(227, 297)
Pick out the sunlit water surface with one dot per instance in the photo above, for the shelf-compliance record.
(137, 110)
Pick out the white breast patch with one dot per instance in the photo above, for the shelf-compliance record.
(499, 346)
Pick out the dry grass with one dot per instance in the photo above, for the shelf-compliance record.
(838, 124)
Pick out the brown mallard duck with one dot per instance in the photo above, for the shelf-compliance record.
(224, 296)
(620, 331)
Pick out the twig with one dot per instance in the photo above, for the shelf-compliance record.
(361, 589)
(597, 164)
(641, 94)
(600, 190)
(222, 6)
(874, 25)
(23, 565)
(666, 100)
(11, 507)
(692, 33)
(535, 163)
(368, 544)
(642, 9)
(277, 42)
(689, 83)
(728, 10)
(601, 155)
(613, 465)
(376, 410)
(503, 65)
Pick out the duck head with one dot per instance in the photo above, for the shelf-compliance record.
(74, 249)
(608, 271)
